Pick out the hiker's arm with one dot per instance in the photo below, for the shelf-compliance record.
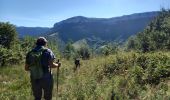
(51, 58)
(54, 65)
(27, 62)
(26, 67)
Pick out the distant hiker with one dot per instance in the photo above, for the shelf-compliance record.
(39, 62)
(77, 63)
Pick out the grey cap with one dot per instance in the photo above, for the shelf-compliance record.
(41, 41)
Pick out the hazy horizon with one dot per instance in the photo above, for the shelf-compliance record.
(46, 13)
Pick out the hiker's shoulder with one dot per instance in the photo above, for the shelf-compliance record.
(29, 52)
(48, 50)
(49, 53)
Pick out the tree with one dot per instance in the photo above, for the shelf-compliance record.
(132, 43)
(53, 45)
(27, 43)
(3, 55)
(156, 36)
(11, 52)
(8, 35)
(84, 51)
(144, 40)
(69, 50)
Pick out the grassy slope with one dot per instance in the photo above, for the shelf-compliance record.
(102, 78)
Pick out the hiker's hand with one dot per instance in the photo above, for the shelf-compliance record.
(27, 67)
(59, 64)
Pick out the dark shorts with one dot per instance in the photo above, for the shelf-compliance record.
(44, 85)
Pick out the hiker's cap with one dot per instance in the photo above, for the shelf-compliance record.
(41, 41)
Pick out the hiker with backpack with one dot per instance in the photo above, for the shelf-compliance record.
(77, 64)
(39, 62)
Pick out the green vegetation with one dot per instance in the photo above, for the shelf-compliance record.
(8, 35)
(155, 37)
(9, 44)
(141, 72)
(123, 76)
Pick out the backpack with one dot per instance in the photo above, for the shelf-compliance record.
(35, 66)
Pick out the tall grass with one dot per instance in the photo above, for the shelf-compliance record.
(14, 83)
(125, 75)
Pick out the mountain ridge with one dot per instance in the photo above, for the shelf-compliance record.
(31, 31)
(123, 17)
(80, 27)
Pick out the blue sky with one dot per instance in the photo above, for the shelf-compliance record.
(45, 13)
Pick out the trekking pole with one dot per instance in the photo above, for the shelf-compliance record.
(58, 61)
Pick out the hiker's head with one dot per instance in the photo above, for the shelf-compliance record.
(41, 41)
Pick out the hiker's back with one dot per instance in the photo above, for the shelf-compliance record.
(77, 62)
(39, 62)
(34, 58)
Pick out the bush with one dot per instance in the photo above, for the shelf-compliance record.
(8, 35)
(10, 56)
(84, 52)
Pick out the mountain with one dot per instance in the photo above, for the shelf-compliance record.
(110, 29)
(105, 29)
(31, 31)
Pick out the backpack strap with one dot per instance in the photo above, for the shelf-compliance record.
(44, 49)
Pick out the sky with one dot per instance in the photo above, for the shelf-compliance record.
(45, 13)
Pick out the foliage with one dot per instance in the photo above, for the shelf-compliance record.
(84, 51)
(156, 36)
(27, 43)
(110, 48)
(13, 50)
(69, 50)
(10, 52)
(8, 35)
(54, 47)
(132, 43)
(124, 75)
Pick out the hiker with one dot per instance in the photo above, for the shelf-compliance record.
(39, 62)
(77, 63)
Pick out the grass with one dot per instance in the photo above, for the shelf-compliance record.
(14, 83)
(126, 75)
